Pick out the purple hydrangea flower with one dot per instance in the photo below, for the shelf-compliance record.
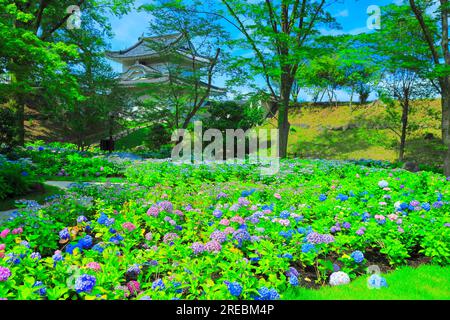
(219, 236)
(170, 237)
(166, 206)
(213, 246)
(217, 213)
(197, 247)
(35, 256)
(5, 273)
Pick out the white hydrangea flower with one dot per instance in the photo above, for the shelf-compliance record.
(339, 278)
(383, 184)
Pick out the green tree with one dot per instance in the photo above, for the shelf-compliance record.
(280, 34)
(35, 59)
(435, 30)
(401, 52)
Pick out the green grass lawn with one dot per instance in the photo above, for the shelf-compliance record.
(9, 204)
(427, 282)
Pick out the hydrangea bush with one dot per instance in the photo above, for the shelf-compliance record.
(224, 232)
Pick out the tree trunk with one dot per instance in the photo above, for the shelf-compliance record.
(446, 125)
(405, 112)
(283, 117)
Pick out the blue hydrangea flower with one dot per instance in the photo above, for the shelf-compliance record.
(247, 193)
(438, 204)
(267, 294)
(116, 239)
(234, 288)
(64, 234)
(42, 290)
(98, 248)
(307, 247)
(177, 286)
(293, 280)
(365, 216)
(426, 206)
(342, 197)
(357, 256)
(287, 256)
(85, 283)
(57, 256)
(71, 247)
(13, 258)
(158, 285)
(268, 207)
(241, 235)
(322, 197)
(285, 214)
(86, 242)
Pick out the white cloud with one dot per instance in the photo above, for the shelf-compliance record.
(343, 13)
(335, 32)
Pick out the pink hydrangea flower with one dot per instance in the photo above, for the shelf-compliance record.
(4, 233)
(229, 230)
(277, 195)
(400, 229)
(2, 246)
(393, 217)
(17, 231)
(129, 226)
(94, 266)
(134, 287)
(283, 222)
(224, 222)
(178, 213)
(380, 217)
(238, 219)
(148, 236)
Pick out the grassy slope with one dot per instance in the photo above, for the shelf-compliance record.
(133, 140)
(426, 282)
(312, 134)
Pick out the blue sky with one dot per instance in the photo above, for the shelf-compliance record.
(350, 14)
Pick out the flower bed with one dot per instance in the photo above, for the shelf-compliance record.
(225, 232)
